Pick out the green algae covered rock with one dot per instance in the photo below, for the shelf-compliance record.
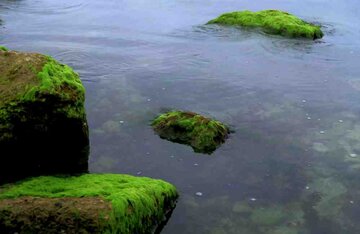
(91, 203)
(272, 22)
(43, 127)
(202, 134)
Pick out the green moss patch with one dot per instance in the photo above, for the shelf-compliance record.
(272, 22)
(3, 48)
(126, 204)
(27, 78)
(202, 134)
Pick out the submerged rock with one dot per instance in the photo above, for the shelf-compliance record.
(272, 22)
(332, 197)
(43, 127)
(202, 134)
(91, 203)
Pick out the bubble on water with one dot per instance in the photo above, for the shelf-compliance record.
(199, 194)
(353, 155)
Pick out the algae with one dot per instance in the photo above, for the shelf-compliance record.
(202, 134)
(272, 22)
(138, 203)
(3, 48)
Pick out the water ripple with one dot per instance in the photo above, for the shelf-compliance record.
(43, 7)
(90, 66)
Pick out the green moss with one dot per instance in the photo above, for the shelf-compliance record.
(3, 48)
(55, 78)
(272, 22)
(137, 202)
(52, 79)
(203, 134)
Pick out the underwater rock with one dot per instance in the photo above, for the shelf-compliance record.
(91, 203)
(333, 197)
(267, 216)
(320, 147)
(272, 22)
(43, 127)
(241, 207)
(202, 134)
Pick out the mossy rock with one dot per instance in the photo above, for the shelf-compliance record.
(272, 22)
(43, 127)
(202, 134)
(90, 203)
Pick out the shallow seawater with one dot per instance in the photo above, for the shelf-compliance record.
(291, 166)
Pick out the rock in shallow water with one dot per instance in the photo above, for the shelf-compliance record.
(202, 134)
(91, 203)
(272, 22)
(43, 127)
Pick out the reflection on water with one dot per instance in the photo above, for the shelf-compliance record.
(292, 164)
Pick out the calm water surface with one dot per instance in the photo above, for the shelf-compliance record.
(293, 164)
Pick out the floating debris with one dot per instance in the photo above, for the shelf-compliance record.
(322, 132)
(121, 121)
(195, 164)
(308, 118)
(148, 99)
(139, 173)
(341, 121)
(307, 187)
(253, 199)
(199, 194)
(351, 202)
(303, 101)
